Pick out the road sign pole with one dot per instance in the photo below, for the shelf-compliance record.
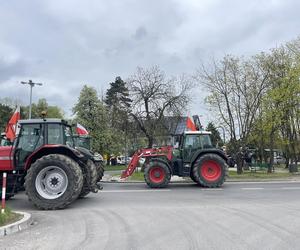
(3, 193)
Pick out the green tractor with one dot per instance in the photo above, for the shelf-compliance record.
(193, 157)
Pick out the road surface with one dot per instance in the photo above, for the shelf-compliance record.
(182, 216)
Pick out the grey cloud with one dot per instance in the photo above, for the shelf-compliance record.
(70, 43)
(11, 69)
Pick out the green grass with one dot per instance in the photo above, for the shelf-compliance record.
(258, 175)
(9, 217)
(137, 176)
(113, 168)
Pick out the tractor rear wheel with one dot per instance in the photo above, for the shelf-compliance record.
(90, 179)
(157, 174)
(100, 170)
(53, 182)
(210, 170)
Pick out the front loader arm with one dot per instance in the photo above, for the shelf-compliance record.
(132, 164)
(147, 153)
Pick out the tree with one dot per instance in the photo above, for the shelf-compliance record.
(236, 86)
(215, 134)
(155, 96)
(118, 103)
(282, 101)
(92, 114)
(41, 106)
(5, 114)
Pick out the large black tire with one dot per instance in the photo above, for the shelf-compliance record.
(89, 180)
(157, 174)
(100, 170)
(59, 171)
(210, 170)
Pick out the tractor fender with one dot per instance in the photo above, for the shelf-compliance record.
(163, 161)
(201, 152)
(54, 149)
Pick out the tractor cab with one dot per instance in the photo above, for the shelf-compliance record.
(192, 142)
(36, 133)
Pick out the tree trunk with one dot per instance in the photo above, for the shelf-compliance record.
(150, 141)
(270, 167)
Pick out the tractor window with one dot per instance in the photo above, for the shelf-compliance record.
(205, 141)
(191, 144)
(68, 136)
(192, 141)
(31, 137)
(55, 134)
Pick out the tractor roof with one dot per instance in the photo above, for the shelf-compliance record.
(197, 132)
(38, 121)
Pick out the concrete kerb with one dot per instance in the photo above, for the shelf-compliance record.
(17, 226)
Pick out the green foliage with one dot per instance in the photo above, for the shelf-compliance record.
(118, 105)
(92, 114)
(215, 134)
(37, 109)
(5, 114)
(257, 99)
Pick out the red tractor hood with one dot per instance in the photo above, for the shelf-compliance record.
(5, 158)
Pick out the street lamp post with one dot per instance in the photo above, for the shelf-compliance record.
(31, 84)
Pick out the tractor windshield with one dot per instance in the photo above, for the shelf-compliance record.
(194, 142)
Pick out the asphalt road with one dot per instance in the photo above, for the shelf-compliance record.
(182, 216)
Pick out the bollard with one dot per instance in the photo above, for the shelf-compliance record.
(3, 193)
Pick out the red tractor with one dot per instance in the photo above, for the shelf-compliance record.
(195, 157)
(45, 160)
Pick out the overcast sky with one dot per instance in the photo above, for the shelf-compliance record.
(67, 43)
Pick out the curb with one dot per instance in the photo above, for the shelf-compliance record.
(16, 226)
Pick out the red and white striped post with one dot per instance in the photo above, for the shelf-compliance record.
(3, 193)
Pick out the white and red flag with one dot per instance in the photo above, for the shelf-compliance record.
(11, 127)
(81, 130)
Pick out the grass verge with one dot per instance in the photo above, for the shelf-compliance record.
(258, 175)
(9, 217)
(114, 168)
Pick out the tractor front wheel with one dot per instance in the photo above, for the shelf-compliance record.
(157, 174)
(210, 170)
(53, 182)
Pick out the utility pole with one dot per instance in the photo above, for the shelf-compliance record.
(31, 84)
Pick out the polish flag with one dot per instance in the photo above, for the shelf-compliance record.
(11, 127)
(190, 125)
(81, 130)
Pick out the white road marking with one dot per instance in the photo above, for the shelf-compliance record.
(135, 191)
(212, 189)
(291, 188)
(255, 188)
(261, 182)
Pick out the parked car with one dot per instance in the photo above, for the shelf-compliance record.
(123, 160)
(279, 159)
